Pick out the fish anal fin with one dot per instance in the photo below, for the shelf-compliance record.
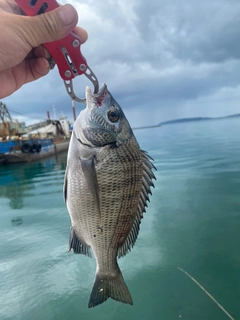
(78, 246)
(106, 287)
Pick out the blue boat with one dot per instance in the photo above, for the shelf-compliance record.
(26, 150)
(19, 143)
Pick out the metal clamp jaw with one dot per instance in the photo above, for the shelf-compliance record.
(69, 85)
(65, 52)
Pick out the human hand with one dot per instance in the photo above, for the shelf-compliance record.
(22, 57)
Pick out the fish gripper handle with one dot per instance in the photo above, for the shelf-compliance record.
(65, 52)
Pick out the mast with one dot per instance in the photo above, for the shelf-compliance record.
(4, 113)
(73, 109)
(5, 118)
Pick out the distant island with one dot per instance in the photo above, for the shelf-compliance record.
(147, 127)
(182, 120)
(197, 119)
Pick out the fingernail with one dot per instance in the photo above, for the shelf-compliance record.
(47, 64)
(46, 53)
(68, 14)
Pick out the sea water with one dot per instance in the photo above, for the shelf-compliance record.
(192, 223)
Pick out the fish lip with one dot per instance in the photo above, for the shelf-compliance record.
(96, 98)
(101, 91)
(99, 97)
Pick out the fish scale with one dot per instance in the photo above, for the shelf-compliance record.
(107, 182)
(110, 190)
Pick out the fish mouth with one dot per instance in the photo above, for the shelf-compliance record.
(97, 97)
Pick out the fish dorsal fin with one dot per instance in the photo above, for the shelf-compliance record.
(147, 177)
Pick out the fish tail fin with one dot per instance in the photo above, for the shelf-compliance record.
(106, 286)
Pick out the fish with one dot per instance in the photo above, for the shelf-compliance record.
(107, 183)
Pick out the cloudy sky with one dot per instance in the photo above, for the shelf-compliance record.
(161, 60)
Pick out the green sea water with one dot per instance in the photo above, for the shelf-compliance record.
(192, 222)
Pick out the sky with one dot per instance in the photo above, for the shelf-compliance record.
(161, 60)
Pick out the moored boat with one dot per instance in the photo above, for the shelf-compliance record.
(21, 143)
(27, 150)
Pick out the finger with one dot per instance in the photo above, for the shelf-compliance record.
(30, 70)
(38, 52)
(50, 26)
(82, 34)
(10, 6)
(26, 71)
(41, 51)
(36, 68)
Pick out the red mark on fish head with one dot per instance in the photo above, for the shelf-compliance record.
(101, 98)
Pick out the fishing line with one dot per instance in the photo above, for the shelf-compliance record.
(197, 283)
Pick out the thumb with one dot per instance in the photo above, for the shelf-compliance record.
(50, 26)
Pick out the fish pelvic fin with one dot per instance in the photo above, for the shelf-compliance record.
(106, 287)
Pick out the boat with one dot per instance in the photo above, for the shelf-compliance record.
(19, 143)
(26, 150)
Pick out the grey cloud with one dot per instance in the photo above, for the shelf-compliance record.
(197, 31)
(169, 55)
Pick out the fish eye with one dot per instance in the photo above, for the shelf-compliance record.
(113, 114)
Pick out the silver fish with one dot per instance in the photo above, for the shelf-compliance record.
(107, 182)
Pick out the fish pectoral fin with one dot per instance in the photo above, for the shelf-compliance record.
(90, 175)
(78, 246)
(106, 287)
(65, 185)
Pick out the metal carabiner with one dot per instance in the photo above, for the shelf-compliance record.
(69, 85)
